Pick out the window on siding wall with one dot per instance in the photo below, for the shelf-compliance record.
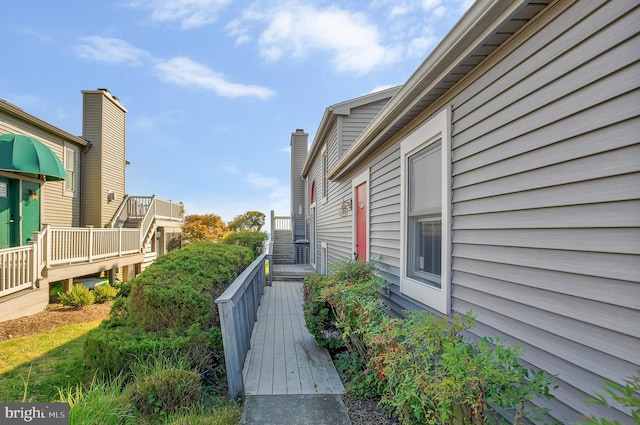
(425, 205)
(70, 166)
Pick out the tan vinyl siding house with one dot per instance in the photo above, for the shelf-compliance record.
(79, 222)
(531, 113)
(56, 209)
(105, 163)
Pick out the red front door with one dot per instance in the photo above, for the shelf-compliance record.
(361, 222)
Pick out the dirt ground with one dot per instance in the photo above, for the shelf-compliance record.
(55, 316)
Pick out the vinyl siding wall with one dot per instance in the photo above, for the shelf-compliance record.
(113, 158)
(104, 127)
(57, 209)
(331, 229)
(546, 190)
(358, 118)
(546, 199)
(92, 183)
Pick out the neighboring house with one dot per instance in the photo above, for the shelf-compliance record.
(504, 178)
(63, 209)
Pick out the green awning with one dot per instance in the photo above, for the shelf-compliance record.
(23, 154)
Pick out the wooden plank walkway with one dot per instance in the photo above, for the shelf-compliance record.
(284, 358)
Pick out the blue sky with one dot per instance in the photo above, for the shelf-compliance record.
(213, 88)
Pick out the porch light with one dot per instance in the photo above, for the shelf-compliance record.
(345, 207)
(33, 195)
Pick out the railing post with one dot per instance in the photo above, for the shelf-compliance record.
(231, 353)
(90, 243)
(120, 242)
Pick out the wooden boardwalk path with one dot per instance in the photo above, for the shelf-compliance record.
(284, 358)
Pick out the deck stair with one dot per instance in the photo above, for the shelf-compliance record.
(283, 247)
(291, 272)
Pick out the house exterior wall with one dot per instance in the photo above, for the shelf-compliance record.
(104, 126)
(299, 141)
(358, 118)
(545, 174)
(57, 209)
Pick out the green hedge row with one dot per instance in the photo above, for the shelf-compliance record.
(170, 311)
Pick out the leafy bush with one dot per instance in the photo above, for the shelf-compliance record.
(79, 296)
(626, 396)
(104, 293)
(252, 240)
(422, 366)
(453, 380)
(319, 317)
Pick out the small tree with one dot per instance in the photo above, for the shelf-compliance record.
(251, 221)
(205, 227)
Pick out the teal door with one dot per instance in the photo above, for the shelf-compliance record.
(9, 220)
(4, 213)
(30, 210)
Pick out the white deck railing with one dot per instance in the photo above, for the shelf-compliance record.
(17, 269)
(75, 245)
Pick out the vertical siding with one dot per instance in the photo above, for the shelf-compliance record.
(113, 158)
(358, 118)
(92, 179)
(298, 155)
(104, 126)
(546, 178)
(57, 209)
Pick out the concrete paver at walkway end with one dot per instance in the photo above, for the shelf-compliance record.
(303, 409)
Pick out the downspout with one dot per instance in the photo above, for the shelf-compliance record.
(82, 188)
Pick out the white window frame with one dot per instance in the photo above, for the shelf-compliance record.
(324, 248)
(438, 128)
(313, 235)
(355, 182)
(324, 170)
(66, 191)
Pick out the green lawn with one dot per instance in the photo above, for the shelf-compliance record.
(43, 363)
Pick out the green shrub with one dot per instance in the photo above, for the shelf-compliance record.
(319, 317)
(626, 396)
(422, 366)
(165, 390)
(180, 288)
(104, 293)
(124, 288)
(433, 375)
(252, 240)
(79, 296)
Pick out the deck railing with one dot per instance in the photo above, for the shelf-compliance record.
(17, 269)
(75, 245)
(238, 309)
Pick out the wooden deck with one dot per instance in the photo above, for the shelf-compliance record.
(284, 358)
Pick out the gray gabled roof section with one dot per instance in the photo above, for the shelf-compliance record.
(483, 28)
(332, 112)
(11, 109)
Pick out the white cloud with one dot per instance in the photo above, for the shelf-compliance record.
(34, 33)
(260, 181)
(186, 72)
(297, 30)
(147, 122)
(229, 168)
(190, 13)
(111, 50)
